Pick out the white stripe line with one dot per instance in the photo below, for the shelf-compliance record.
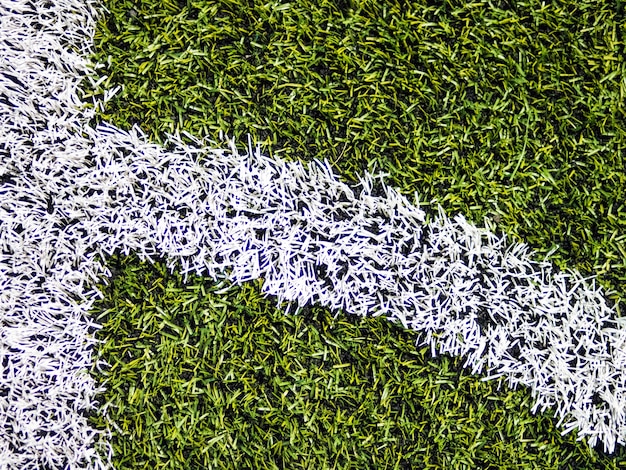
(71, 194)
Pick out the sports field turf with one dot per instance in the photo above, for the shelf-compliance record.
(510, 113)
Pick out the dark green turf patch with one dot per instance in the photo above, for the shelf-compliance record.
(509, 111)
(206, 380)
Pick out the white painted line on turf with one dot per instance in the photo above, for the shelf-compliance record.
(71, 195)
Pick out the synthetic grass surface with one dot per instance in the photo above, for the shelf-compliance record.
(510, 112)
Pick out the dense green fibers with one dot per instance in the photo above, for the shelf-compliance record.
(512, 113)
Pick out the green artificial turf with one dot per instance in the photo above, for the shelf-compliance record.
(206, 380)
(510, 112)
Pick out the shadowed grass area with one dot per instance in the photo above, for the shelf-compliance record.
(508, 111)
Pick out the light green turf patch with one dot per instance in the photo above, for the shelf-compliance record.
(515, 113)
